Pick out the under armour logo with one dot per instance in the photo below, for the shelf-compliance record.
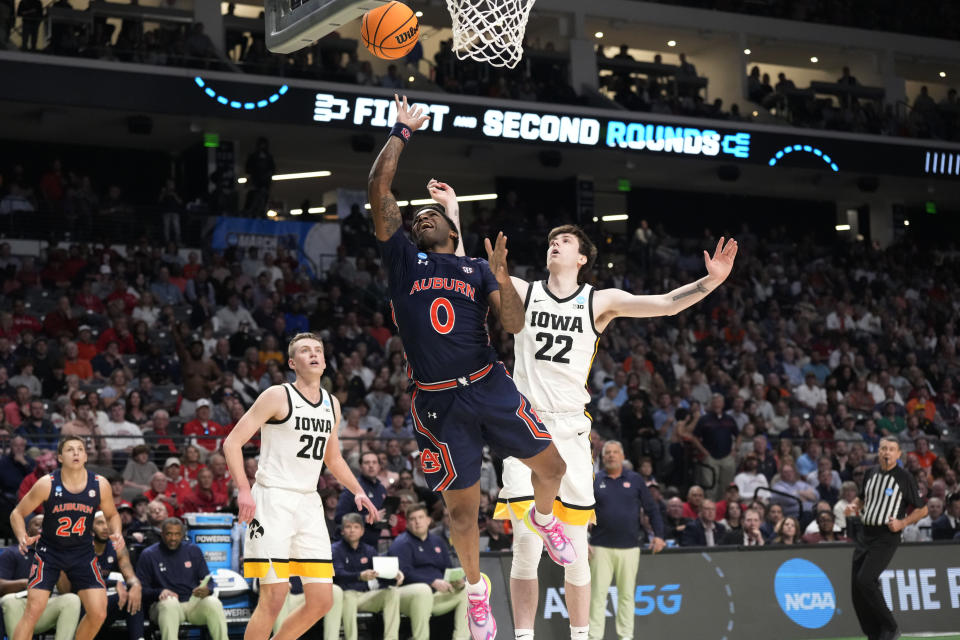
(432, 414)
(256, 530)
(421, 262)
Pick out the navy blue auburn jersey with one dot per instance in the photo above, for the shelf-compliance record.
(68, 517)
(440, 308)
(109, 560)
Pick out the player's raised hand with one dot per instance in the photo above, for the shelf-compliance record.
(497, 257)
(363, 502)
(118, 542)
(246, 507)
(442, 192)
(414, 117)
(26, 542)
(720, 265)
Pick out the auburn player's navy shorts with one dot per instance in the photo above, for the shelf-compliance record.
(80, 565)
(454, 419)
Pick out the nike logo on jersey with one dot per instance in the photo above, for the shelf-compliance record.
(555, 322)
(540, 300)
(448, 284)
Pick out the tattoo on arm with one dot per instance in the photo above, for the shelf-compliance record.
(390, 213)
(386, 213)
(691, 292)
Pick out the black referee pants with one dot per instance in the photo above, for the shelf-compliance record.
(872, 554)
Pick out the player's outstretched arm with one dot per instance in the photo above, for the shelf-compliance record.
(614, 303)
(110, 513)
(270, 405)
(506, 303)
(386, 213)
(39, 492)
(444, 194)
(341, 470)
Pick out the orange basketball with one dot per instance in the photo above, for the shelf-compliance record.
(390, 31)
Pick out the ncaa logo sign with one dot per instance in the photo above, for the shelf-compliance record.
(804, 593)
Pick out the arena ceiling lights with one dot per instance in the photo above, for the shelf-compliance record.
(294, 176)
(419, 203)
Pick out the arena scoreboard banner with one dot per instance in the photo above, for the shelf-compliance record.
(314, 243)
(798, 593)
(325, 106)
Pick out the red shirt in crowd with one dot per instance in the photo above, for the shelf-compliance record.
(56, 323)
(206, 500)
(208, 434)
(25, 321)
(126, 343)
(925, 460)
(171, 492)
(87, 350)
(129, 300)
(89, 301)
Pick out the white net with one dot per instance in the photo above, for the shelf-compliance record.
(490, 30)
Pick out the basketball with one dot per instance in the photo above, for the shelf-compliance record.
(390, 31)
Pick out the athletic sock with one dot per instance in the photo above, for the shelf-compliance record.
(476, 589)
(523, 634)
(579, 633)
(540, 519)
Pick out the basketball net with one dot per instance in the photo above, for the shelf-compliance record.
(490, 30)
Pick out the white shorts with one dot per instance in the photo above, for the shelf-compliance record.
(575, 504)
(287, 537)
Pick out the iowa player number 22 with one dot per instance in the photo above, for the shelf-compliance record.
(564, 342)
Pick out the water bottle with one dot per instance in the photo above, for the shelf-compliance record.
(236, 537)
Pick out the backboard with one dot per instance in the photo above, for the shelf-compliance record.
(294, 24)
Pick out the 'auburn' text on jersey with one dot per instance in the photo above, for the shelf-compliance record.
(440, 308)
(555, 350)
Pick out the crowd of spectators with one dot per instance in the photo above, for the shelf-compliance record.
(541, 77)
(785, 377)
(784, 102)
(922, 118)
(900, 16)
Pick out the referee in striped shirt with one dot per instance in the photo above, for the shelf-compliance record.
(882, 506)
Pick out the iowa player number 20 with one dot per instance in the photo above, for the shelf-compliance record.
(312, 447)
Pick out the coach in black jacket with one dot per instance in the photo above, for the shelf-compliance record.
(705, 531)
(947, 526)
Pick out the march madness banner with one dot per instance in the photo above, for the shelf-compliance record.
(314, 243)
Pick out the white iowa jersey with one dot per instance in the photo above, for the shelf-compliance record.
(555, 350)
(291, 450)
